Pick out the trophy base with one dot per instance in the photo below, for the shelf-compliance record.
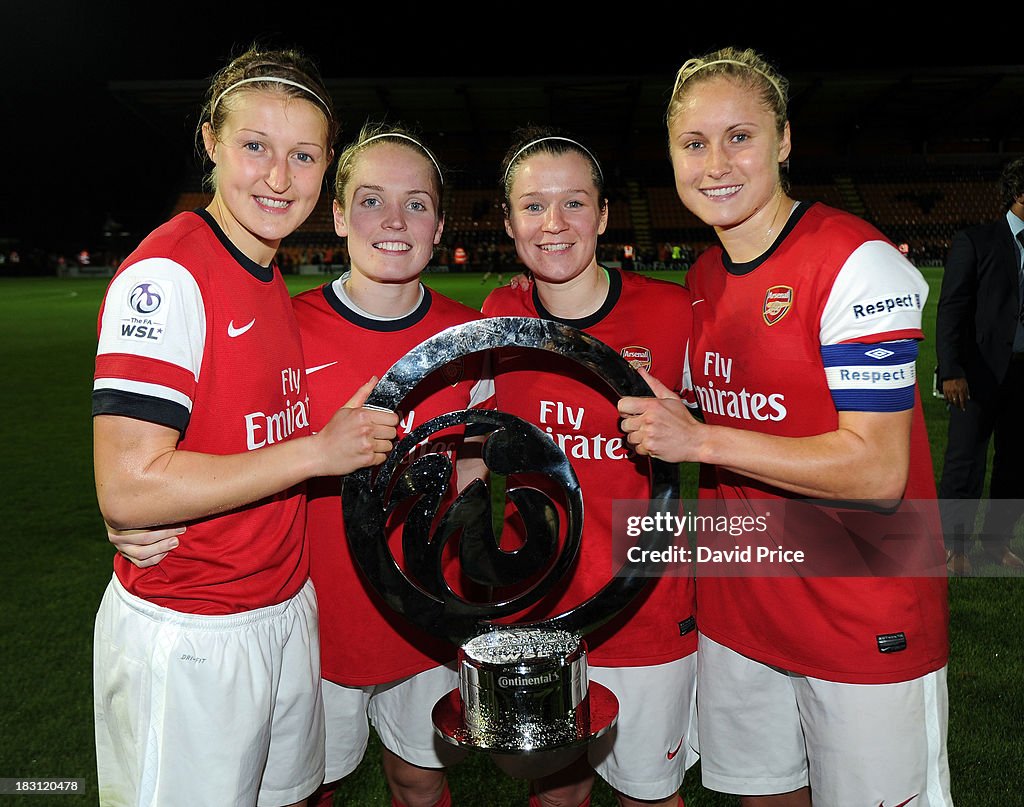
(600, 705)
(524, 689)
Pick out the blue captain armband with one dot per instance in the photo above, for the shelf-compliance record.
(880, 377)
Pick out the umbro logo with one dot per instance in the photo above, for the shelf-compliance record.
(233, 331)
(879, 353)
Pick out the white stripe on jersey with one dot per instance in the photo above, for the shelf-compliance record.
(143, 388)
(686, 389)
(897, 295)
(483, 390)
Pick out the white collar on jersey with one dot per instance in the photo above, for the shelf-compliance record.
(339, 288)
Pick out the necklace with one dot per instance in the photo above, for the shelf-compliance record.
(768, 236)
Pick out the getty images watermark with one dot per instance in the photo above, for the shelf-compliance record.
(807, 538)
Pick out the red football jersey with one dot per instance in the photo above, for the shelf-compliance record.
(195, 336)
(819, 324)
(647, 321)
(363, 640)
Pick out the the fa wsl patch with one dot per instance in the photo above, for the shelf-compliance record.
(453, 371)
(638, 357)
(777, 302)
(144, 313)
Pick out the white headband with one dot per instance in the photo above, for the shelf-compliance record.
(276, 79)
(551, 137)
(423, 148)
(772, 81)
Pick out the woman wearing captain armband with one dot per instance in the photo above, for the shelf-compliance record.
(806, 322)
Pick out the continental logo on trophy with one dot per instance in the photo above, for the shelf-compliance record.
(523, 686)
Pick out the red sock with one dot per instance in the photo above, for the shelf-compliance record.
(536, 802)
(681, 800)
(324, 796)
(444, 801)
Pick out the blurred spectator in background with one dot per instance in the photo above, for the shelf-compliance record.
(980, 344)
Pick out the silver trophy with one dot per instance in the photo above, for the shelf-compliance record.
(523, 686)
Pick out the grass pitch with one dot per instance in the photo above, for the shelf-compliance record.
(57, 563)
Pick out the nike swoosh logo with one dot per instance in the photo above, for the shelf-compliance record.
(672, 754)
(311, 370)
(902, 803)
(233, 331)
(694, 302)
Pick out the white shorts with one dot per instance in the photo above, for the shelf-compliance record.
(651, 745)
(764, 730)
(200, 710)
(645, 754)
(401, 715)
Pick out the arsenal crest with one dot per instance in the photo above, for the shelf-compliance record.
(777, 302)
(638, 357)
(453, 371)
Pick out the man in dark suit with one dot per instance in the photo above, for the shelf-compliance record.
(980, 346)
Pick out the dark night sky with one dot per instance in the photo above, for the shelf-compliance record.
(73, 152)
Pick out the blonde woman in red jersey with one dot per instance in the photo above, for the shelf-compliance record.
(812, 688)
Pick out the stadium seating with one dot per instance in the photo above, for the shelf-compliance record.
(921, 208)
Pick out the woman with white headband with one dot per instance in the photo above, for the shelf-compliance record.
(555, 205)
(377, 667)
(817, 687)
(207, 670)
